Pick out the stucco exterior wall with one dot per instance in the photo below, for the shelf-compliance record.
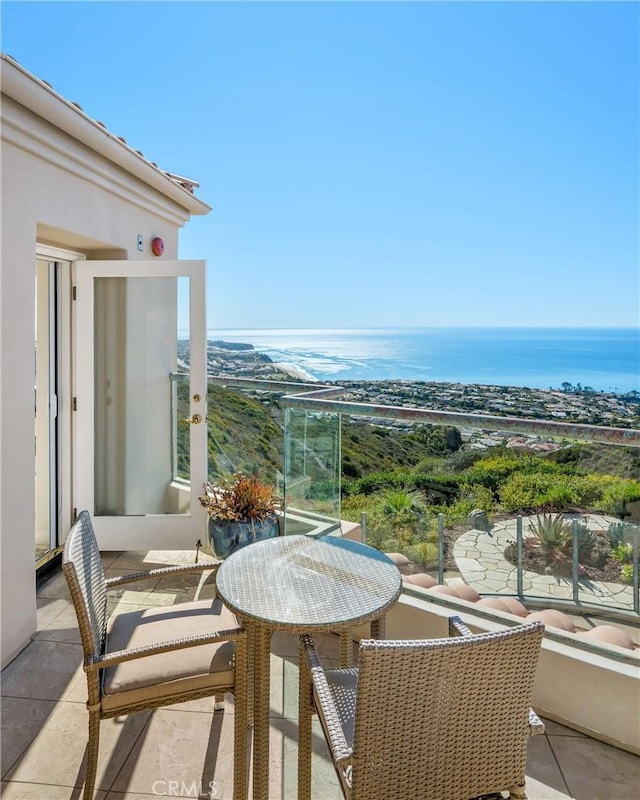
(57, 191)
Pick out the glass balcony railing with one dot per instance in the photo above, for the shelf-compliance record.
(540, 510)
(535, 509)
(245, 433)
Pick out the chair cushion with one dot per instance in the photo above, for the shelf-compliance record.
(173, 673)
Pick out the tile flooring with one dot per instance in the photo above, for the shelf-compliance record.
(185, 750)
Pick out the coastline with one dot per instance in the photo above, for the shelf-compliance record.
(605, 359)
(568, 404)
(297, 373)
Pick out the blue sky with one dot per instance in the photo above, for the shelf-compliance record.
(377, 164)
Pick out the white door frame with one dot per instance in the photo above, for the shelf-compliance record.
(61, 460)
(146, 531)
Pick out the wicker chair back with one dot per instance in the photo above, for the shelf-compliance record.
(443, 718)
(82, 567)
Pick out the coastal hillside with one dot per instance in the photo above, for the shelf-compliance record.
(245, 433)
(242, 434)
(398, 472)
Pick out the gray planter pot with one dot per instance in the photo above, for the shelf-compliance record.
(225, 537)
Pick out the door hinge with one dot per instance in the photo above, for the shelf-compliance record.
(74, 516)
(73, 292)
(75, 403)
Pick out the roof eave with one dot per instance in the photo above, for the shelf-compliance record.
(43, 100)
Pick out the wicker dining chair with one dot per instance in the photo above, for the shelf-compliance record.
(155, 657)
(433, 719)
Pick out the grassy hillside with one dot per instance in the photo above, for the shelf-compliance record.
(242, 435)
(429, 463)
(369, 448)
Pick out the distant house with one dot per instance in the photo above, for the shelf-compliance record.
(90, 285)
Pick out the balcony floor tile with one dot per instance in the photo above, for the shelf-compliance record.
(593, 770)
(45, 722)
(15, 790)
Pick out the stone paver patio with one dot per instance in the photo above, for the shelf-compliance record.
(480, 560)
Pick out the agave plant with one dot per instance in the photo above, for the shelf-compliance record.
(617, 533)
(586, 538)
(398, 502)
(621, 533)
(552, 534)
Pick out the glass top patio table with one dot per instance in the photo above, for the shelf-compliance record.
(302, 584)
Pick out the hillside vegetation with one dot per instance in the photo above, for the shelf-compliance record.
(404, 479)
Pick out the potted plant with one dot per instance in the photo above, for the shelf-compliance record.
(241, 510)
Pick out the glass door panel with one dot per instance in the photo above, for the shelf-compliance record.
(142, 401)
(135, 355)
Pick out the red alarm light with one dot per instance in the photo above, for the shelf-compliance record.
(157, 246)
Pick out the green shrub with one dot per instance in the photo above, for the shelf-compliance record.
(423, 553)
(559, 494)
(524, 491)
(498, 467)
(480, 496)
(458, 511)
(463, 459)
(626, 573)
(376, 482)
(353, 506)
(396, 519)
(619, 491)
(428, 464)
(320, 490)
(623, 553)
(455, 515)
(438, 439)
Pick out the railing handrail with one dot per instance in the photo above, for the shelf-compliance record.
(321, 397)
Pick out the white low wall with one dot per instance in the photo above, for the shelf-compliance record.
(586, 691)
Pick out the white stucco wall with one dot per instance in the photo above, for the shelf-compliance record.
(61, 192)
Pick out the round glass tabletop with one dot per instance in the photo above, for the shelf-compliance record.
(300, 582)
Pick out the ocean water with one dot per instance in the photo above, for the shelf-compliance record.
(606, 359)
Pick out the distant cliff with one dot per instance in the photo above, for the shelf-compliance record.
(230, 345)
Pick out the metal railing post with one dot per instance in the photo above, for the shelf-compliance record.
(575, 566)
(363, 527)
(635, 533)
(519, 553)
(440, 548)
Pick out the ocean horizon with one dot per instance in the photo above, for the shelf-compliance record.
(605, 359)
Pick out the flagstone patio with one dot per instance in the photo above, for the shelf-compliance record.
(479, 556)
